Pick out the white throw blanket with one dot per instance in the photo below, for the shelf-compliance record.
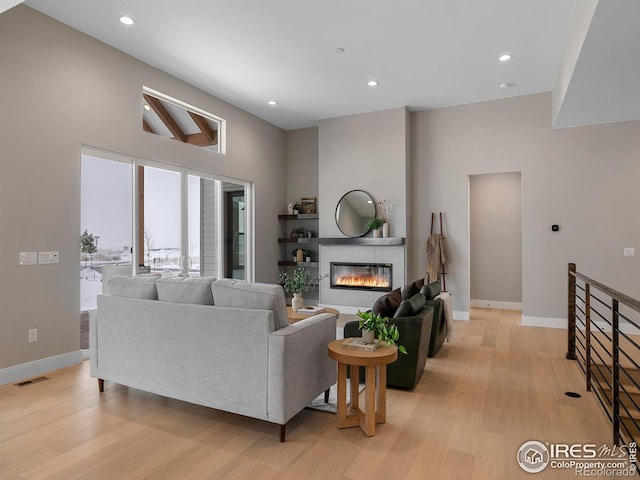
(448, 313)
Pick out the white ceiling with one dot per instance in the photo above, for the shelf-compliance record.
(425, 53)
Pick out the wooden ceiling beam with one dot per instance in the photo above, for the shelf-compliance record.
(205, 128)
(166, 117)
(146, 127)
(199, 140)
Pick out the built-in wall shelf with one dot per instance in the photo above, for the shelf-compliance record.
(298, 240)
(287, 263)
(301, 216)
(377, 242)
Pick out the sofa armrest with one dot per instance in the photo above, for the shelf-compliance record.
(299, 365)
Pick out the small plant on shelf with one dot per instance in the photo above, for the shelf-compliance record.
(374, 223)
(384, 330)
(307, 254)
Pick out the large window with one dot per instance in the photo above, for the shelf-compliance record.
(106, 224)
(146, 217)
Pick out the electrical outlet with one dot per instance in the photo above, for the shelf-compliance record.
(629, 252)
(33, 335)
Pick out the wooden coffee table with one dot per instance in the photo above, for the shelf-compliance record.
(295, 317)
(372, 361)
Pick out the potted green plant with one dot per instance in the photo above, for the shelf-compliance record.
(307, 255)
(374, 224)
(297, 283)
(379, 327)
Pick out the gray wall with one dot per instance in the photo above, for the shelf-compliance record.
(60, 89)
(302, 164)
(584, 179)
(367, 152)
(495, 233)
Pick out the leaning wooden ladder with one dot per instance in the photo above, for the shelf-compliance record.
(442, 267)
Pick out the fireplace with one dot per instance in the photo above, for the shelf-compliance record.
(375, 277)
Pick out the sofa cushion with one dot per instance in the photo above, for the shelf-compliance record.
(386, 305)
(410, 289)
(411, 306)
(431, 291)
(141, 286)
(185, 289)
(261, 296)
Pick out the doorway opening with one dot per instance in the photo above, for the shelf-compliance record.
(495, 240)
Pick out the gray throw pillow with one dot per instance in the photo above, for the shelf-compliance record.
(195, 290)
(143, 287)
(411, 306)
(262, 296)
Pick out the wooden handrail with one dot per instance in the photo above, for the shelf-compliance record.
(614, 294)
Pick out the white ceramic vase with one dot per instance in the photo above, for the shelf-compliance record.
(368, 336)
(298, 302)
(385, 229)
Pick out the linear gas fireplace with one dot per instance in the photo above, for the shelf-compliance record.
(375, 277)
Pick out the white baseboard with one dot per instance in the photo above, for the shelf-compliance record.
(549, 322)
(496, 304)
(460, 315)
(38, 367)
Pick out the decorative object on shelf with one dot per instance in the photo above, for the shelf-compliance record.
(309, 234)
(384, 330)
(301, 233)
(383, 208)
(298, 283)
(297, 302)
(307, 255)
(296, 208)
(294, 252)
(299, 255)
(294, 233)
(352, 212)
(374, 224)
(308, 205)
(290, 209)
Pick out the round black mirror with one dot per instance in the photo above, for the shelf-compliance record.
(353, 212)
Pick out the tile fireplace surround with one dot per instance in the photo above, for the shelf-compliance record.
(349, 301)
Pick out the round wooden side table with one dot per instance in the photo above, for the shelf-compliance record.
(375, 397)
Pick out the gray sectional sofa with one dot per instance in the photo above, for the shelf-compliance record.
(224, 344)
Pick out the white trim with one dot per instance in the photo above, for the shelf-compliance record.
(496, 304)
(85, 353)
(222, 123)
(460, 315)
(38, 367)
(548, 322)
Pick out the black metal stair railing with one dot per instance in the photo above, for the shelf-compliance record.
(604, 338)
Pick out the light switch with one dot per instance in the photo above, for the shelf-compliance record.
(28, 258)
(46, 258)
(629, 252)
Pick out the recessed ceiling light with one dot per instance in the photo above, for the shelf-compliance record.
(506, 57)
(372, 83)
(272, 102)
(506, 85)
(338, 50)
(147, 107)
(127, 20)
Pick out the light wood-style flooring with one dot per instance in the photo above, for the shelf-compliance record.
(497, 385)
